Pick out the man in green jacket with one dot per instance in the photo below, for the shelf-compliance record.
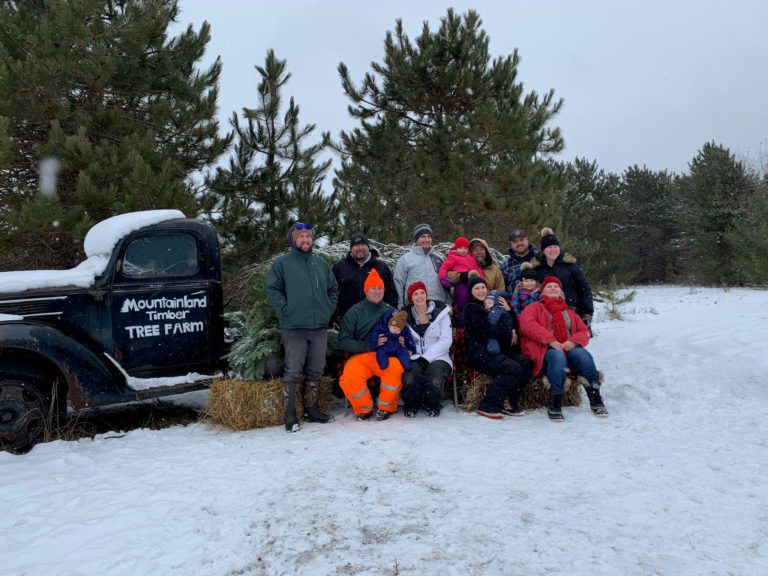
(303, 291)
(354, 335)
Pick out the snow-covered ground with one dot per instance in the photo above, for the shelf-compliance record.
(674, 482)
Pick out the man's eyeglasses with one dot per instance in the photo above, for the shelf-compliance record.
(300, 226)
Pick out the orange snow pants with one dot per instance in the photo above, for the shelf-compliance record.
(358, 369)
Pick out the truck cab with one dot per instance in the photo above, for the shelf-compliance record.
(142, 317)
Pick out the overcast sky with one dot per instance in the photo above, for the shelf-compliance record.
(644, 83)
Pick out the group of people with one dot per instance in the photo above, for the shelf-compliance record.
(529, 316)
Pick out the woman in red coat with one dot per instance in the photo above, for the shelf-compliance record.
(555, 338)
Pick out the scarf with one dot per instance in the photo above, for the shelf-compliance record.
(557, 307)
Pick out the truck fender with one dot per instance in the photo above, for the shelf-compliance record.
(89, 379)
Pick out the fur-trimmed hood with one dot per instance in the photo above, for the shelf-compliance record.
(488, 258)
(564, 257)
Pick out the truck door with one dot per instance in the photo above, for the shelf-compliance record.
(161, 305)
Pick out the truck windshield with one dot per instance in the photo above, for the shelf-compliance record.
(161, 255)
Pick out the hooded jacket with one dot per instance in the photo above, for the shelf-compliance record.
(576, 288)
(438, 337)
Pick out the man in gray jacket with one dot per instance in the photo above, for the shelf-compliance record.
(303, 291)
(421, 262)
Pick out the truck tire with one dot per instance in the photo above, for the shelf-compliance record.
(28, 409)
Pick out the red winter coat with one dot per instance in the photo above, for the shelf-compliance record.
(536, 332)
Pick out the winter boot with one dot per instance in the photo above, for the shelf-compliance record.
(312, 411)
(289, 400)
(382, 415)
(555, 408)
(596, 402)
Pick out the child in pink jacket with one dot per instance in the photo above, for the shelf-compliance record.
(459, 260)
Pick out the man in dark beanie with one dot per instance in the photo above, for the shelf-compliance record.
(303, 291)
(422, 263)
(520, 250)
(352, 272)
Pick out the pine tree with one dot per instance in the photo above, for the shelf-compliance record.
(716, 193)
(446, 136)
(98, 85)
(273, 179)
(651, 227)
(594, 222)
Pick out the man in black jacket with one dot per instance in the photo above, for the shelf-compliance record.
(352, 272)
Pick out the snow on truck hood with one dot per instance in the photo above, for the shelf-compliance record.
(98, 244)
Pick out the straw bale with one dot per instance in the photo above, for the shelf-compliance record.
(246, 404)
(535, 394)
(472, 391)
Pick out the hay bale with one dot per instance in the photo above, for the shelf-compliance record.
(246, 404)
(535, 394)
(472, 391)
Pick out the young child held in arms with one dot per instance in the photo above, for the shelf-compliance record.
(495, 310)
(392, 325)
(459, 260)
(527, 290)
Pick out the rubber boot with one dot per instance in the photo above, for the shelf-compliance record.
(312, 411)
(289, 400)
(555, 408)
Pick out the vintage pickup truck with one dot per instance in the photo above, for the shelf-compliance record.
(142, 317)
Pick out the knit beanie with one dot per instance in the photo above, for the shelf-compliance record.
(373, 280)
(398, 319)
(476, 280)
(418, 285)
(528, 271)
(552, 280)
(461, 242)
(421, 229)
(548, 238)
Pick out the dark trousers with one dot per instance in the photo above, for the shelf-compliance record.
(304, 354)
(424, 384)
(509, 373)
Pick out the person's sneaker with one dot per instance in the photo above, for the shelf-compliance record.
(433, 413)
(491, 415)
(555, 414)
(513, 411)
(364, 416)
(382, 415)
(410, 413)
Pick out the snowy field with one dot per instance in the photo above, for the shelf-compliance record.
(674, 482)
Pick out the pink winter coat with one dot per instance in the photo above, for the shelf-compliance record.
(536, 332)
(456, 262)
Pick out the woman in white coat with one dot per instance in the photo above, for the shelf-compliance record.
(430, 324)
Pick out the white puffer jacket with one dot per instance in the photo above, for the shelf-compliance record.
(437, 340)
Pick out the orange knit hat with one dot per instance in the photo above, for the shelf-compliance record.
(373, 280)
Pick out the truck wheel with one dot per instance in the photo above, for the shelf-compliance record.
(25, 401)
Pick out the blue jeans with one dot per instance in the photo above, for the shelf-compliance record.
(578, 360)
